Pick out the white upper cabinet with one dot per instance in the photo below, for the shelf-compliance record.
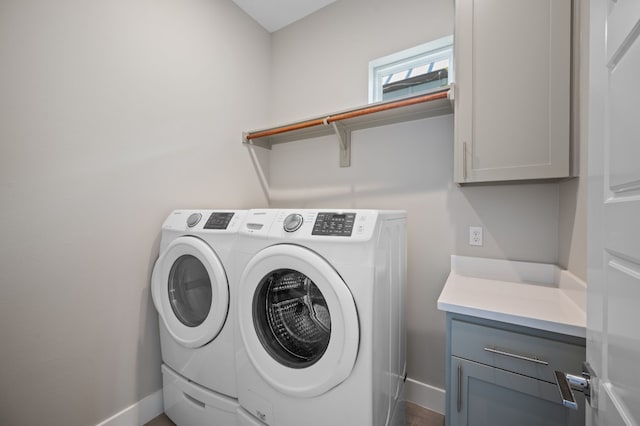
(512, 90)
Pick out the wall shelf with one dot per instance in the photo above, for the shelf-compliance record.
(438, 102)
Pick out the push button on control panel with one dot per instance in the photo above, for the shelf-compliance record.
(293, 222)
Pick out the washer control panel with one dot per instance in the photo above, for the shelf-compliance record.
(334, 224)
(301, 225)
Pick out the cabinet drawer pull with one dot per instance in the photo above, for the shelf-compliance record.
(524, 358)
(459, 387)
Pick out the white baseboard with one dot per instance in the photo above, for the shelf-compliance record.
(139, 413)
(426, 395)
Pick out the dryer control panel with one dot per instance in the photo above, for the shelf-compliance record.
(211, 221)
(218, 220)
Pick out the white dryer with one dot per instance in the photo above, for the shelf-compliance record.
(321, 316)
(193, 289)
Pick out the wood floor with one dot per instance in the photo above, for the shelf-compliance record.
(420, 416)
(416, 416)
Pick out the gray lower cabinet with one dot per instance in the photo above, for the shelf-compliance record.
(488, 396)
(500, 374)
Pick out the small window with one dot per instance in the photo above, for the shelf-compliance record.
(413, 71)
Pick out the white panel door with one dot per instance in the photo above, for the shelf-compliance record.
(613, 311)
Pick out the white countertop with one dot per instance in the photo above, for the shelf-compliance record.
(533, 295)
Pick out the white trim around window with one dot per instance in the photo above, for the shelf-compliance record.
(383, 69)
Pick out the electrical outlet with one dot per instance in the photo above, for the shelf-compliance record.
(475, 235)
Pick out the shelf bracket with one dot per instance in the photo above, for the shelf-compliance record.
(344, 138)
(262, 143)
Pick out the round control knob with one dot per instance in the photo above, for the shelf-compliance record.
(293, 222)
(193, 219)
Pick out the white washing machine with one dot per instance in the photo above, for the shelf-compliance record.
(193, 287)
(321, 316)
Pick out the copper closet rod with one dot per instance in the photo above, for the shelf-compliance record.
(346, 115)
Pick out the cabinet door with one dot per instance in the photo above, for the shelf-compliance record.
(512, 100)
(482, 395)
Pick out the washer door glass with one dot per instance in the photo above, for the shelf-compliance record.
(292, 318)
(189, 290)
(297, 320)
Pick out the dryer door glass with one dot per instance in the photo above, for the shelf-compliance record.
(291, 318)
(189, 290)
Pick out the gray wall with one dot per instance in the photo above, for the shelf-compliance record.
(319, 66)
(112, 113)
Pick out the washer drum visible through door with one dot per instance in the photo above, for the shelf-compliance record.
(298, 320)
